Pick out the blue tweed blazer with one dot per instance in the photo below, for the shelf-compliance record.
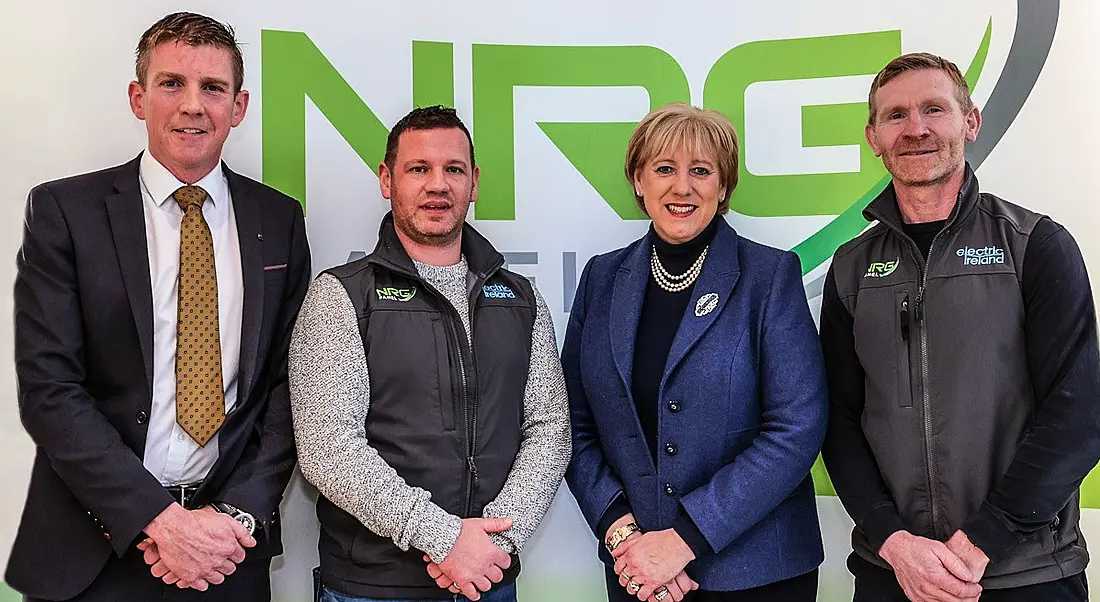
(743, 400)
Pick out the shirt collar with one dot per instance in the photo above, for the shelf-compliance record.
(161, 183)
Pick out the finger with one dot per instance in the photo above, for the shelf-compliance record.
(200, 584)
(495, 574)
(242, 534)
(444, 582)
(470, 591)
(684, 583)
(434, 571)
(674, 594)
(952, 563)
(237, 556)
(955, 588)
(502, 559)
(215, 578)
(620, 566)
(159, 569)
(427, 558)
(454, 589)
(646, 591)
(151, 555)
(496, 525)
(623, 578)
(171, 578)
(227, 568)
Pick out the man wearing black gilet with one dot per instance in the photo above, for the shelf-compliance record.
(960, 346)
(429, 405)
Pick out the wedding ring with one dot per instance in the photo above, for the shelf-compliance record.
(660, 594)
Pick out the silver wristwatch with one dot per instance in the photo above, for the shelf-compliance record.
(238, 515)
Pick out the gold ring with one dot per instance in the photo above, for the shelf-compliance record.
(633, 586)
(660, 594)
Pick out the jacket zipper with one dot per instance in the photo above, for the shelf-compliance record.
(926, 398)
(469, 415)
(469, 406)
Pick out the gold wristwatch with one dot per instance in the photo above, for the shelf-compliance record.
(619, 535)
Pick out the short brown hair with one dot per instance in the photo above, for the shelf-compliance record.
(917, 61)
(435, 117)
(194, 30)
(705, 132)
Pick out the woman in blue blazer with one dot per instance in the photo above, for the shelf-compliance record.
(697, 388)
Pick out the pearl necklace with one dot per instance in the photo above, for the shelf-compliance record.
(676, 283)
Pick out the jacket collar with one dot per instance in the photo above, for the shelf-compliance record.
(885, 207)
(481, 257)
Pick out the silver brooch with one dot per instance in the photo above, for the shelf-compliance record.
(706, 304)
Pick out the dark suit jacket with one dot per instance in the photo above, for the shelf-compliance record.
(83, 353)
(742, 400)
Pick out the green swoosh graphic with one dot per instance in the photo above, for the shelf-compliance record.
(820, 246)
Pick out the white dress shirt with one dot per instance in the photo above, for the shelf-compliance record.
(170, 453)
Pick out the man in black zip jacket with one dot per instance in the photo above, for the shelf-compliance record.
(429, 404)
(961, 350)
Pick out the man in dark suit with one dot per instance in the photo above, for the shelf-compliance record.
(153, 308)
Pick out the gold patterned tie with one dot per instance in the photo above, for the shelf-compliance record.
(200, 398)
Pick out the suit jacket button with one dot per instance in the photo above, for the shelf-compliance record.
(141, 417)
(670, 449)
(670, 490)
(674, 406)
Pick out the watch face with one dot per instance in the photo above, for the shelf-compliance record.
(248, 522)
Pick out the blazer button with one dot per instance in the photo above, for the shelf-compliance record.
(142, 417)
(669, 489)
(674, 406)
(670, 449)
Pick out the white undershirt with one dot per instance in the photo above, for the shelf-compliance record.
(170, 454)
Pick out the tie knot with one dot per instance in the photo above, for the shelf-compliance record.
(190, 196)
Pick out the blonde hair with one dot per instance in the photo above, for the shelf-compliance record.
(705, 133)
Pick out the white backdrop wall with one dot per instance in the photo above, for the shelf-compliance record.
(66, 66)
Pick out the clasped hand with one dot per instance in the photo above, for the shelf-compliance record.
(194, 548)
(652, 560)
(475, 563)
(931, 571)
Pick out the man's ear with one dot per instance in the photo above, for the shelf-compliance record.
(384, 179)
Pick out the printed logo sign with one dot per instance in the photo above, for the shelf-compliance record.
(981, 256)
(497, 291)
(390, 293)
(881, 269)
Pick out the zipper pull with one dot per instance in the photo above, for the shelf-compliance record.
(920, 304)
(473, 468)
(905, 318)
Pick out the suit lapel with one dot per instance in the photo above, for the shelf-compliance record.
(720, 272)
(249, 234)
(626, 309)
(127, 220)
